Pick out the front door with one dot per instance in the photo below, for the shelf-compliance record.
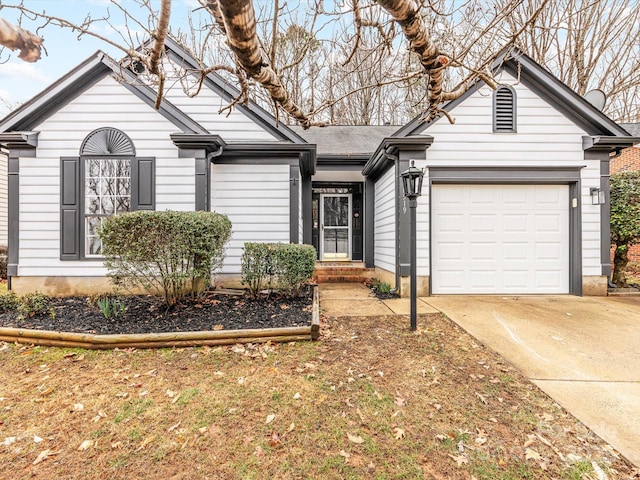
(335, 227)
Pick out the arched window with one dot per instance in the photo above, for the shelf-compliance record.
(504, 110)
(107, 178)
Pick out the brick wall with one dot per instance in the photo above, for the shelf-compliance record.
(628, 161)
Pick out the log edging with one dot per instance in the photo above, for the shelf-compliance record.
(168, 339)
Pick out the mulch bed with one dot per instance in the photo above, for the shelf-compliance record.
(143, 314)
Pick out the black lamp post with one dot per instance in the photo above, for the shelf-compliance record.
(412, 189)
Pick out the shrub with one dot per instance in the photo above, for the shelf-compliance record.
(286, 266)
(3, 262)
(172, 252)
(9, 301)
(32, 304)
(625, 220)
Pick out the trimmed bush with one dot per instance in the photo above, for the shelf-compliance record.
(171, 252)
(9, 301)
(285, 267)
(3, 262)
(32, 304)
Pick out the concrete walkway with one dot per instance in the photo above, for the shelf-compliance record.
(584, 352)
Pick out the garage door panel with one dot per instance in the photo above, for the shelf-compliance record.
(500, 239)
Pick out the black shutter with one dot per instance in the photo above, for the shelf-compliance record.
(143, 184)
(70, 208)
(504, 110)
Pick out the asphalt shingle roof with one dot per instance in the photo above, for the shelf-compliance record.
(346, 139)
(632, 128)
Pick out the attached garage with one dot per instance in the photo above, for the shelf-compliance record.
(500, 239)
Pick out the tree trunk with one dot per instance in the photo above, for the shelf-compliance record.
(620, 261)
(17, 38)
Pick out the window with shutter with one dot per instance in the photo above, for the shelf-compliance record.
(105, 180)
(504, 110)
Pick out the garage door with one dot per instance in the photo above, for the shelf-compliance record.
(495, 239)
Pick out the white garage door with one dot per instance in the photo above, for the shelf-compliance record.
(500, 239)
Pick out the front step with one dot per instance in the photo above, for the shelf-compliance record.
(331, 272)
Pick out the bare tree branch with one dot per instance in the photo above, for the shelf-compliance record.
(17, 38)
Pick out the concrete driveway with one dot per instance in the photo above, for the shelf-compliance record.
(584, 352)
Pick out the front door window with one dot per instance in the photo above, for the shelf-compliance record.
(335, 230)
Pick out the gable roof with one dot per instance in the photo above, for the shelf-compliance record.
(346, 140)
(181, 57)
(68, 87)
(99, 65)
(543, 83)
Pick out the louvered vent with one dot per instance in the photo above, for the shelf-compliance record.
(107, 141)
(504, 114)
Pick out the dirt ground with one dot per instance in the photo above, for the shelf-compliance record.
(371, 400)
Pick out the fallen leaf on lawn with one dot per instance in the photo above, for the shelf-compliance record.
(203, 429)
(355, 438)
(241, 381)
(398, 433)
(258, 452)
(144, 393)
(175, 399)
(48, 391)
(481, 440)
(274, 439)
(85, 445)
(531, 454)
(599, 472)
(99, 416)
(502, 464)
(482, 398)
(441, 437)
(122, 395)
(218, 327)
(531, 439)
(117, 445)
(399, 400)
(9, 441)
(345, 455)
(460, 459)
(270, 418)
(218, 373)
(146, 442)
(37, 439)
(43, 456)
(78, 407)
(171, 393)
(296, 396)
(173, 427)
(291, 427)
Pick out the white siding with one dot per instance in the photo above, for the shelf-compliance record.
(385, 222)
(544, 138)
(106, 104)
(205, 109)
(3, 199)
(256, 200)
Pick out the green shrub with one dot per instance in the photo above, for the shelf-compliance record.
(9, 301)
(294, 265)
(3, 262)
(174, 253)
(285, 267)
(32, 304)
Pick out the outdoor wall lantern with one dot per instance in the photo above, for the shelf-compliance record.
(597, 196)
(412, 189)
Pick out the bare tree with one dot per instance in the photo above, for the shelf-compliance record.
(588, 45)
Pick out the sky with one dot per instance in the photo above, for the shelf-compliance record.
(20, 81)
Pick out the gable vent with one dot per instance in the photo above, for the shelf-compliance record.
(504, 115)
(107, 141)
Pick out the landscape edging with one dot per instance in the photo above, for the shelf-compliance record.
(167, 339)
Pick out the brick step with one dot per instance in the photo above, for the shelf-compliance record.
(342, 273)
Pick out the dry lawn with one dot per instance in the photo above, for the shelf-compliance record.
(371, 400)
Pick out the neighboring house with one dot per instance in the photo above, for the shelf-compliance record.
(506, 206)
(4, 156)
(629, 161)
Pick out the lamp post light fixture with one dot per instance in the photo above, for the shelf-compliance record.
(597, 196)
(412, 189)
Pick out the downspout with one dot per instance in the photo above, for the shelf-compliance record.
(209, 161)
(395, 160)
(217, 153)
